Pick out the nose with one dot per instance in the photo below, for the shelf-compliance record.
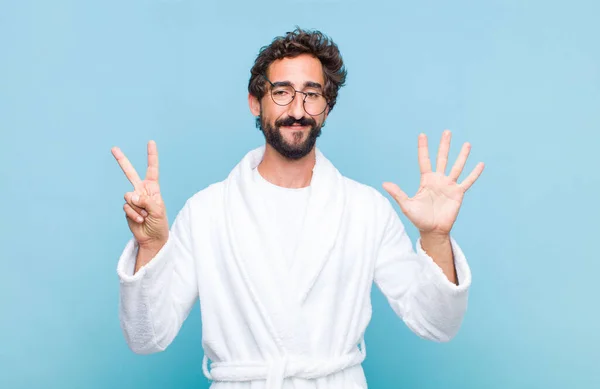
(296, 107)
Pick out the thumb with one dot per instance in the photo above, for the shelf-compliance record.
(397, 193)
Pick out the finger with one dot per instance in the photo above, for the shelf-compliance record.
(424, 163)
(127, 168)
(397, 193)
(144, 201)
(132, 214)
(471, 178)
(129, 199)
(442, 156)
(152, 171)
(459, 165)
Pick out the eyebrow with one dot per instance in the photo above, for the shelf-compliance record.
(307, 84)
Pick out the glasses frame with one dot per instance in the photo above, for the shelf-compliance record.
(294, 96)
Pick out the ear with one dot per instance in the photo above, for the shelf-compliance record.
(326, 113)
(254, 104)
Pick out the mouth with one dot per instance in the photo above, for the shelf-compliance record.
(294, 127)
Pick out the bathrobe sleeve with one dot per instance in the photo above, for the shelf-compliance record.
(155, 301)
(416, 287)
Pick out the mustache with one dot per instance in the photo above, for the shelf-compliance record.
(290, 121)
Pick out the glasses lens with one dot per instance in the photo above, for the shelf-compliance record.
(315, 104)
(282, 95)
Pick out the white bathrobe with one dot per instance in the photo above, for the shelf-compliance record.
(267, 324)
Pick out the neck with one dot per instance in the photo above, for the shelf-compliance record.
(284, 172)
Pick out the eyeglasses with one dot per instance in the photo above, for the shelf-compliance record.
(314, 103)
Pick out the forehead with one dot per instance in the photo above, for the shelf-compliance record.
(297, 70)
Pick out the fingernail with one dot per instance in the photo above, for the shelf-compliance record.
(139, 219)
(135, 198)
(144, 213)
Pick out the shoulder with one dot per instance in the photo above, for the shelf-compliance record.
(206, 199)
(366, 197)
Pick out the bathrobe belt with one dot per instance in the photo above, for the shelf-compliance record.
(275, 371)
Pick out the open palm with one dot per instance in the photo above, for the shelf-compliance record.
(435, 206)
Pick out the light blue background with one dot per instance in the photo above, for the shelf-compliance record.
(518, 79)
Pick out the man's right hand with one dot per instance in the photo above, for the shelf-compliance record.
(144, 207)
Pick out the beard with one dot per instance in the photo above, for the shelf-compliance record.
(296, 150)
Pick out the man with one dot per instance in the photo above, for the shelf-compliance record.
(282, 254)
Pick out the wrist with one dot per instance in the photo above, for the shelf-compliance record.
(151, 247)
(146, 252)
(435, 237)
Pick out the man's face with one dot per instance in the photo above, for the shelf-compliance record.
(289, 129)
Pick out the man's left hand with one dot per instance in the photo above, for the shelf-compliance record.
(434, 208)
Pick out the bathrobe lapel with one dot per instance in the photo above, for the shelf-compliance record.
(276, 290)
(321, 226)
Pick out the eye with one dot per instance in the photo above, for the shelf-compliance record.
(281, 92)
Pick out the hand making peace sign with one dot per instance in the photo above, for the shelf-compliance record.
(435, 206)
(144, 207)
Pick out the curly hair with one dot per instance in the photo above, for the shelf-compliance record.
(292, 45)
